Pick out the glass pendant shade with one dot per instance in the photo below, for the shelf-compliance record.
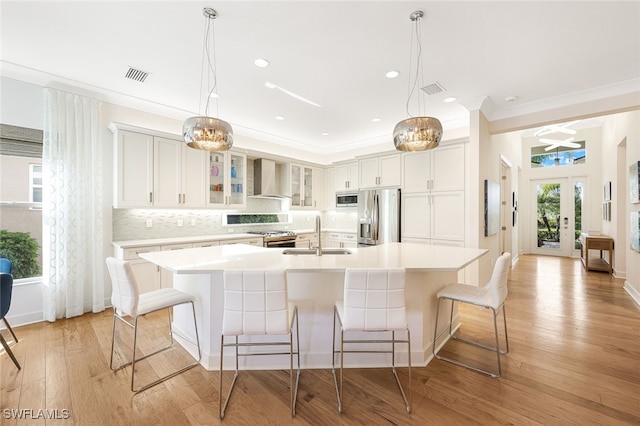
(203, 132)
(207, 133)
(417, 134)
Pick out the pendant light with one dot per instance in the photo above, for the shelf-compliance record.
(204, 132)
(417, 133)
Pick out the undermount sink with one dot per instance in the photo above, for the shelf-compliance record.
(297, 251)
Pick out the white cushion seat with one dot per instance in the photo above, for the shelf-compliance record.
(256, 304)
(492, 296)
(374, 301)
(161, 299)
(468, 294)
(127, 301)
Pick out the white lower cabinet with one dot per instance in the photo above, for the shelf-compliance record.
(341, 240)
(433, 217)
(206, 244)
(147, 274)
(309, 240)
(250, 241)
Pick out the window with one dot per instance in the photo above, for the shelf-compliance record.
(558, 155)
(21, 199)
(35, 183)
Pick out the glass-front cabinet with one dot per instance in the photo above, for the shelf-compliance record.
(227, 179)
(296, 185)
(306, 187)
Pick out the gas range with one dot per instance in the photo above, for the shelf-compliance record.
(275, 238)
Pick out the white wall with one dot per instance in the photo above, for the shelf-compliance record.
(621, 138)
(508, 146)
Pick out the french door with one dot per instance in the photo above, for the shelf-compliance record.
(557, 216)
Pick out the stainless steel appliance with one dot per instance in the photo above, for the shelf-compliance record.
(346, 199)
(378, 216)
(277, 238)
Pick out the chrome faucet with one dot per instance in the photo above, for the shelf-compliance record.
(318, 231)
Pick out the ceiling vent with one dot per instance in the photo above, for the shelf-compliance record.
(137, 75)
(433, 88)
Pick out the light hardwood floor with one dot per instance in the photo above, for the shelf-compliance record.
(574, 359)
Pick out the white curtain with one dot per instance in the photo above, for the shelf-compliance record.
(72, 249)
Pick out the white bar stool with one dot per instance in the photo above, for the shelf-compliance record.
(490, 296)
(256, 303)
(127, 301)
(373, 302)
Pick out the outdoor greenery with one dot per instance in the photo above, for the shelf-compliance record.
(22, 250)
(549, 213)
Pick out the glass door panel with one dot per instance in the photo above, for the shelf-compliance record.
(237, 184)
(578, 202)
(216, 178)
(308, 187)
(296, 185)
(555, 202)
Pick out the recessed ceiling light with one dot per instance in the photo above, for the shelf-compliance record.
(450, 99)
(325, 133)
(279, 117)
(375, 120)
(392, 74)
(262, 63)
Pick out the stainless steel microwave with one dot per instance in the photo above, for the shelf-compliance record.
(346, 199)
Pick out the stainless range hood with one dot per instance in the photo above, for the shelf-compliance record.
(264, 180)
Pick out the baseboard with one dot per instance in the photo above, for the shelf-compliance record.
(635, 294)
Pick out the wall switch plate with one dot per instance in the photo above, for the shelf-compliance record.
(149, 223)
(193, 222)
(180, 223)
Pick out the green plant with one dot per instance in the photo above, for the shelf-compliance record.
(22, 250)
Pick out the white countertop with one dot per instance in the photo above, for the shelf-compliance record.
(178, 240)
(243, 257)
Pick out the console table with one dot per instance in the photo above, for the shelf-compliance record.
(596, 242)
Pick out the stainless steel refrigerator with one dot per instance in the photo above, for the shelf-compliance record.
(378, 216)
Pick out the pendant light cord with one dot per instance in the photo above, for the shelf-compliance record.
(208, 52)
(418, 76)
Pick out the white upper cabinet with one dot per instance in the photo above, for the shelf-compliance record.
(227, 180)
(133, 178)
(330, 188)
(440, 169)
(380, 171)
(346, 177)
(156, 170)
(178, 174)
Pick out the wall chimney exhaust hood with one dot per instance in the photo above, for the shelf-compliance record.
(264, 180)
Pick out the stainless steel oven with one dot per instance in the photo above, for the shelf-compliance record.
(277, 239)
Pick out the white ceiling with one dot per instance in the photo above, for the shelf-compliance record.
(335, 53)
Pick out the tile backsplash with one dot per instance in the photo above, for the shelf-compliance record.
(131, 224)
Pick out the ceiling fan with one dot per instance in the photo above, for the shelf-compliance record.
(557, 128)
(555, 143)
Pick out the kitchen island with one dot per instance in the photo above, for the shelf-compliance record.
(314, 284)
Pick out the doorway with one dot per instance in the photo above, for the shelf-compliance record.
(507, 201)
(557, 216)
